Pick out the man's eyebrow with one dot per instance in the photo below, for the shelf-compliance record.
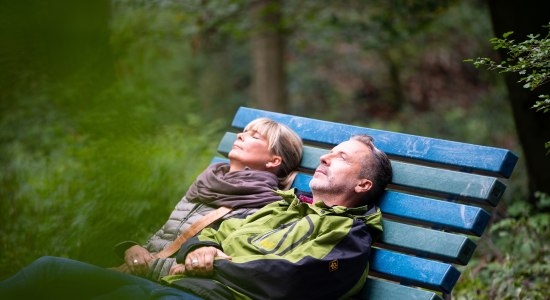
(340, 152)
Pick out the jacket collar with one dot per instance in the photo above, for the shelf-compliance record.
(370, 214)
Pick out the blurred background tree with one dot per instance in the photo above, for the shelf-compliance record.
(110, 108)
(523, 19)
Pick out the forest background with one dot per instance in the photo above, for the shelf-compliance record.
(109, 109)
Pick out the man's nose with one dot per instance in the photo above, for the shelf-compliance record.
(324, 159)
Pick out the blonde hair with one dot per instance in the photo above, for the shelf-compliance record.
(284, 142)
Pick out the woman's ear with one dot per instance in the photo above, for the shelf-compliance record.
(274, 163)
(363, 186)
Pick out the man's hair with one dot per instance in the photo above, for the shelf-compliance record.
(378, 169)
(282, 141)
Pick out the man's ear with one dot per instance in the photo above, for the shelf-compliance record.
(274, 163)
(363, 186)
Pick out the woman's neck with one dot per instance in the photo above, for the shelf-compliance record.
(235, 166)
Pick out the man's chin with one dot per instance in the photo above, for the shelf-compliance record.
(314, 184)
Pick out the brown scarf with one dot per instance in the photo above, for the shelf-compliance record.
(216, 186)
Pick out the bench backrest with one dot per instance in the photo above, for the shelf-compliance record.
(440, 198)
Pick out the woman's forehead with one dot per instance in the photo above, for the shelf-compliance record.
(258, 128)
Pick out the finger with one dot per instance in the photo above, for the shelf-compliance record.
(208, 263)
(180, 269)
(177, 269)
(146, 256)
(142, 267)
(134, 266)
(144, 262)
(128, 260)
(199, 266)
(122, 268)
(173, 270)
(220, 254)
(190, 264)
(130, 264)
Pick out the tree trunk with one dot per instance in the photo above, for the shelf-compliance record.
(268, 46)
(533, 127)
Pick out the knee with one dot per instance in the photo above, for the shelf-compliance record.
(47, 261)
(47, 265)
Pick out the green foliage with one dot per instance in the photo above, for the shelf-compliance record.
(101, 152)
(514, 265)
(529, 58)
(85, 165)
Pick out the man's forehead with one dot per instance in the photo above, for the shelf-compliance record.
(351, 147)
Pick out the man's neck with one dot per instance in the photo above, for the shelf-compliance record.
(336, 199)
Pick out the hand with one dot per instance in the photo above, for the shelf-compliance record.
(200, 262)
(137, 259)
(177, 269)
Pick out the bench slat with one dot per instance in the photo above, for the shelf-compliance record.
(423, 242)
(455, 184)
(410, 270)
(376, 289)
(439, 214)
(462, 155)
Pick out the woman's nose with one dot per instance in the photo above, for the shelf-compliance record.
(240, 136)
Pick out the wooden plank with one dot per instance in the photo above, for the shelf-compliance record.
(462, 155)
(457, 185)
(428, 243)
(438, 214)
(485, 189)
(376, 289)
(414, 271)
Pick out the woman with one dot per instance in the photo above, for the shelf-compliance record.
(262, 159)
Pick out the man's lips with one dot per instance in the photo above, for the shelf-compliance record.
(321, 170)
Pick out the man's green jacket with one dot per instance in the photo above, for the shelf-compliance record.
(287, 250)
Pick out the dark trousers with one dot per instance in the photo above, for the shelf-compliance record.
(60, 278)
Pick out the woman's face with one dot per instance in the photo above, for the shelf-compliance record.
(250, 149)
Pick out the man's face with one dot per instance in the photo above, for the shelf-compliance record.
(338, 172)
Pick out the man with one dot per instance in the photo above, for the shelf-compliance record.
(292, 249)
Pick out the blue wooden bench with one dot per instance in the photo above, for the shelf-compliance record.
(440, 199)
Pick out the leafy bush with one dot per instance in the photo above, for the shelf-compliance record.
(530, 59)
(86, 165)
(515, 257)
